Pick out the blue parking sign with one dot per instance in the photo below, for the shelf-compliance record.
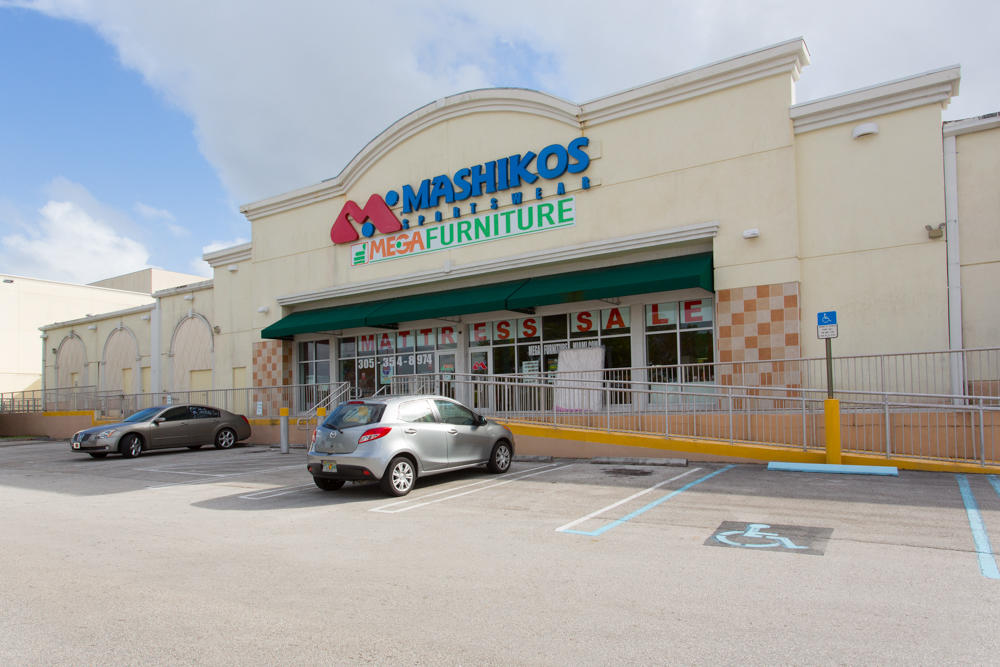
(826, 318)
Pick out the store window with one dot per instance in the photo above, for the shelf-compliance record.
(372, 360)
(313, 372)
(533, 344)
(680, 340)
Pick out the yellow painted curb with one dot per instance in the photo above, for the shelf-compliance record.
(743, 450)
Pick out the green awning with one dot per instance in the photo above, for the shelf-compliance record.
(661, 275)
(518, 295)
(446, 303)
(323, 319)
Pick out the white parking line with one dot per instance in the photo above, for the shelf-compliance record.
(274, 493)
(222, 477)
(178, 472)
(625, 500)
(537, 471)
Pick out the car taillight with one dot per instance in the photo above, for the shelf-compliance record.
(314, 437)
(245, 420)
(374, 434)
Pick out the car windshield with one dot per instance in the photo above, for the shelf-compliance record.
(354, 413)
(143, 415)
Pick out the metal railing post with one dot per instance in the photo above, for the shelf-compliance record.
(731, 434)
(982, 437)
(888, 427)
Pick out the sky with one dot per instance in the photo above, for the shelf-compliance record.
(131, 131)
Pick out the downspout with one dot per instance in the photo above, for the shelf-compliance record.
(45, 342)
(955, 343)
(155, 359)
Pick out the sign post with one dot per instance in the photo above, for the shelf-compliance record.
(826, 329)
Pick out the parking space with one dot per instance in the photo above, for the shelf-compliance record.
(720, 552)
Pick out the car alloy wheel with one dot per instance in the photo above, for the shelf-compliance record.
(399, 477)
(225, 438)
(131, 446)
(500, 458)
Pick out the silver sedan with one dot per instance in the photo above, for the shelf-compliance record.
(394, 440)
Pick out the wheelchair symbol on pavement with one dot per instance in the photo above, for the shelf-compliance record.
(754, 531)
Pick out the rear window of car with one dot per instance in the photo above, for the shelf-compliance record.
(201, 412)
(354, 414)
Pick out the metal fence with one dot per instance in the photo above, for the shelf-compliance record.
(264, 402)
(928, 426)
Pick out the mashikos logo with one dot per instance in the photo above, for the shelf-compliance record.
(381, 216)
(545, 171)
(529, 219)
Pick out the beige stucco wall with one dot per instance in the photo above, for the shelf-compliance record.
(187, 335)
(235, 313)
(726, 157)
(979, 228)
(27, 304)
(148, 280)
(863, 207)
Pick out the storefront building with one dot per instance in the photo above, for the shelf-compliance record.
(698, 219)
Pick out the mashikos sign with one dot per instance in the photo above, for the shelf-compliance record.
(470, 221)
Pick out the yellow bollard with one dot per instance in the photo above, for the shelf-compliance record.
(831, 412)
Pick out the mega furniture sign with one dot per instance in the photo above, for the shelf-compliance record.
(535, 217)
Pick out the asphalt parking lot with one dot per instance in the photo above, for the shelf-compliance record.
(235, 557)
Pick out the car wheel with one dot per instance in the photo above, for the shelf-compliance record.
(328, 484)
(501, 457)
(225, 438)
(131, 446)
(399, 477)
(194, 447)
(98, 455)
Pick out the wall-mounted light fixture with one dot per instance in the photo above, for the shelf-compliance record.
(189, 297)
(55, 351)
(263, 309)
(92, 327)
(8, 281)
(145, 318)
(751, 233)
(864, 130)
(935, 232)
(217, 329)
(233, 268)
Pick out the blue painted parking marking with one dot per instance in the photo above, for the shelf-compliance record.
(754, 531)
(994, 482)
(987, 559)
(628, 517)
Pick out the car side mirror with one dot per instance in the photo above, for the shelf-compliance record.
(158, 420)
(481, 420)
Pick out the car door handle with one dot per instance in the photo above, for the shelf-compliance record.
(453, 431)
(410, 431)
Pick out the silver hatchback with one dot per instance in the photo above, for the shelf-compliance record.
(396, 439)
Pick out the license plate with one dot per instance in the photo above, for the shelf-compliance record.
(329, 466)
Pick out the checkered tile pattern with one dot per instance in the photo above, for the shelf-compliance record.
(272, 366)
(759, 326)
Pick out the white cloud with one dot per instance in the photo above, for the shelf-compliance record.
(161, 216)
(283, 95)
(200, 267)
(68, 244)
(152, 213)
